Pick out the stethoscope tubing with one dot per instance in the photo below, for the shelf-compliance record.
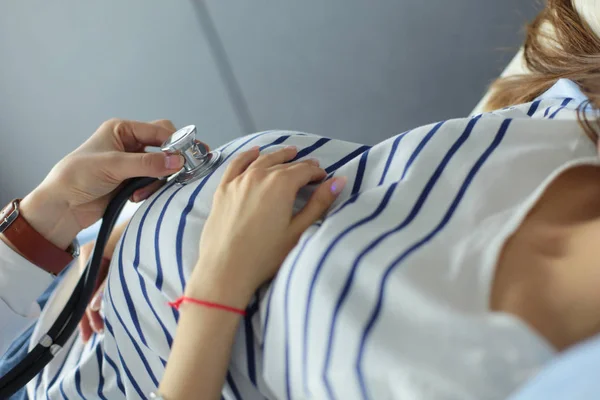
(69, 318)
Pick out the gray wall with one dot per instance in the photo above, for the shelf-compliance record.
(354, 69)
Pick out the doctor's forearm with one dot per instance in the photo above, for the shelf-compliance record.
(50, 218)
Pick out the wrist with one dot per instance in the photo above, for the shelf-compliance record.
(222, 289)
(50, 217)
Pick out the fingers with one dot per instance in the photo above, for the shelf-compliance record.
(275, 158)
(145, 192)
(121, 166)
(85, 329)
(165, 123)
(240, 164)
(303, 173)
(134, 136)
(317, 205)
(96, 321)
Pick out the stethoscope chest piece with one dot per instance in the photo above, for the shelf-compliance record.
(199, 162)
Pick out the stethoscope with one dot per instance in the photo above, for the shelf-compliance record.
(199, 162)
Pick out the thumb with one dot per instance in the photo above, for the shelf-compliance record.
(318, 204)
(123, 166)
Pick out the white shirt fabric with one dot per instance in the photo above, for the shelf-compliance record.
(386, 297)
(21, 283)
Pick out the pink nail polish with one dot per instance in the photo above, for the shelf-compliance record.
(338, 185)
(291, 148)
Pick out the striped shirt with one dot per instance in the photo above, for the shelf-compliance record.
(385, 297)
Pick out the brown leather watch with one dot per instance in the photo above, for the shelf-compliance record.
(31, 244)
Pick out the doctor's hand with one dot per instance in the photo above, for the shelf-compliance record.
(251, 228)
(76, 192)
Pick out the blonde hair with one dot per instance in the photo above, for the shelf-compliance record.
(562, 42)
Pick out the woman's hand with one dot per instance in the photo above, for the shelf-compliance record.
(248, 234)
(76, 192)
(251, 228)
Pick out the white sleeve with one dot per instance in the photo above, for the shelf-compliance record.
(21, 283)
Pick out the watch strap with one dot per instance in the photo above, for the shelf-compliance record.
(30, 243)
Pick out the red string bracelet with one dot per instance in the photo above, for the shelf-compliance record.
(183, 299)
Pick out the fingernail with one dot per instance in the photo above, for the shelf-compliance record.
(338, 185)
(95, 328)
(173, 161)
(96, 302)
(291, 148)
(314, 161)
(141, 195)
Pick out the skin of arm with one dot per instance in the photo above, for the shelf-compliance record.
(202, 349)
(77, 190)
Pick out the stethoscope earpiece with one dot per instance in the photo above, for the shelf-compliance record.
(199, 162)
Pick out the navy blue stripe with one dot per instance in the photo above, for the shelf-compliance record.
(117, 371)
(547, 111)
(127, 372)
(357, 184)
(286, 320)
(275, 143)
(307, 150)
(382, 205)
(334, 167)
(233, 387)
(53, 381)
(78, 375)
(250, 349)
(126, 295)
(62, 390)
(267, 314)
(159, 272)
(189, 207)
(78, 367)
(363, 221)
(161, 217)
(360, 173)
(421, 145)
(562, 107)
(533, 108)
(409, 218)
(253, 307)
(100, 391)
(179, 250)
(136, 264)
(317, 272)
(354, 195)
(449, 213)
(136, 259)
(391, 156)
(131, 338)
